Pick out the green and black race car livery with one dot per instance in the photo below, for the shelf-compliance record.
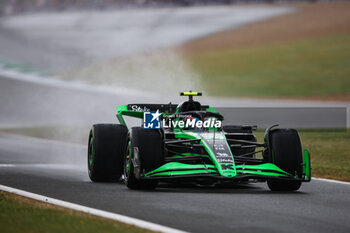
(190, 152)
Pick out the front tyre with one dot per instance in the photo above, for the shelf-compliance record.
(106, 152)
(144, 153)
(285, 152)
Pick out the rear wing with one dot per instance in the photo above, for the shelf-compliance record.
(163, 108)
(137, 110)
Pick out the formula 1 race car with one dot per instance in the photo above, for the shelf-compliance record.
(187, 143)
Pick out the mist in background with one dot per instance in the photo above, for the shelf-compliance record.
(120, 51)
(131, 47)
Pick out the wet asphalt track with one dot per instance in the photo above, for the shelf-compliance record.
(58, 170)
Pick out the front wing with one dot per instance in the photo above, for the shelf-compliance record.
(178, 170)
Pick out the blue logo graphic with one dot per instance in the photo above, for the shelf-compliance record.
(151, 120)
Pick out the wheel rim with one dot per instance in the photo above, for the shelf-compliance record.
(91, 153)
(127, 162)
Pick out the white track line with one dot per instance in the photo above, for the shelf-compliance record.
(331, 181)
(96, 212)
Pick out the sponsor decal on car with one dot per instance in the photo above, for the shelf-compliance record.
(219, 147)
(211, 136)
(227, 167)
(223, 155)
(139, 108)
(229, 160)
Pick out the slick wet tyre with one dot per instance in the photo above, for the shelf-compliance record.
(286, 153)
(146, 151)
(106, 152)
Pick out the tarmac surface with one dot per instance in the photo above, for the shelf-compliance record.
(58, 170)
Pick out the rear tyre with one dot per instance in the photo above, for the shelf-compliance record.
(285, 152)
(145, 150)
(106, 152)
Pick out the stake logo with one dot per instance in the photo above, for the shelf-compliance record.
(151, 120)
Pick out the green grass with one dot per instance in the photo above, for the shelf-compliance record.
(18, 214)
(330, 153)
(314, 67)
